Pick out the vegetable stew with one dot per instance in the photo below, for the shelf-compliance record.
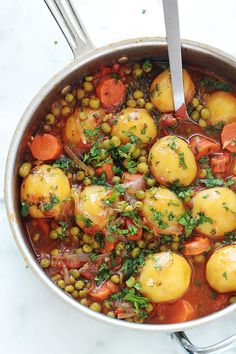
(131, 208)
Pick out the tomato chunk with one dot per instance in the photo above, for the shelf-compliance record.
(107, 169)
(197, 246)
(220, 163)
(136, 232)
(228, 137)
(201, 146)
(102, 292)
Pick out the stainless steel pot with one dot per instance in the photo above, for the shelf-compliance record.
(86, 59)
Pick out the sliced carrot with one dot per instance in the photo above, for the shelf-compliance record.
(228, 137)
(220, 163)
(197, 246)
(107, 169)
(46, 147)
(100, 293)
(111, 92)
(201, 146)
(180, 311)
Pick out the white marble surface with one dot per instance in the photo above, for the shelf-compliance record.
(32, 319)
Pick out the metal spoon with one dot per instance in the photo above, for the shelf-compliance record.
(171, 15)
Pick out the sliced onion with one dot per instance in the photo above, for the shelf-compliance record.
(124, 315)
(66, 274)
(175, 229)
(88, 171)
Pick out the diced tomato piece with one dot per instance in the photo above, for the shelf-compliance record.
(181, 112)
(100, 293)
(179, 311)
(201, 146)
(139, 231)
(228, 137)
(220, 163)
(168, 120)
(198, 245)
(107, 169)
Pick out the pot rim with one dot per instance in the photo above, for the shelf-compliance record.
(8, 183)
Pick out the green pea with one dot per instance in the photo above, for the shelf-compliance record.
(136, 153)
(54, 252)
(56, 277)
(149, 105)
(78, 250)
(87, 181)
(69, 97)
(94, 103)
(111, 314)
(140, 194)
(65, 111)
(75, 272)
(202, 123)
(137, 73)
(141, 102)
(95, 306)
(80, 94)
(142, 159)
(175, 246)
(74, 231)
(135, 252)
(85, 102)
(141, 244)
(199, 107)
(79, 284)
(87, 248)
(150, 182)
(83, 293)
(152, 245)
(106, 128)
(45, 262)
(106, 144)
(84, 302)
(205, 113)
(142, 167)
(195, 102)
(75, 294)
(25, 168)
(72, 280)
(131, 103)
(116, 179)
(195, 115)
(115, 279)
(149, 308)
(137, 94)
(88, 78)
(88, 86)
(115, 140)
(50, 119)
(200, 258)
(69, 288)
(138, 205)
(87, 238)
(80, 176)
(61, 284)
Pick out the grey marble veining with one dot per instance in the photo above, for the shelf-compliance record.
(32, 319)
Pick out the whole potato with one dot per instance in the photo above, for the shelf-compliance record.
(171, 160)
(44, 190)
(222, 107)
(82, 119)
(221, 269)
(162, 208)
(218, 204)
(161, 91)
(135, 122)
(165, 276)
(90, 207)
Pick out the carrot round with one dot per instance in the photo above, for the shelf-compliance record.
(202, 146)
(196, 246)
(111, 92)
(180, 311)
(46, 147)
(228, 137)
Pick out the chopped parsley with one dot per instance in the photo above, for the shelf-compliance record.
(53, 201)
(225, 275)
(214, 84)
(103, 274)
(147, 65)
(157, 217)
(182, 161)
(24, 209)
(64, 163)
(189, 222)
(87, 222)
(143, 130)
(132, 265)
(115, 77)
(64, 227)
(225, 206)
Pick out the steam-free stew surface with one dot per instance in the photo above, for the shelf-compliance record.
(129, 207)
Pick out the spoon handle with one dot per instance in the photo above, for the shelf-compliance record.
(171, 15)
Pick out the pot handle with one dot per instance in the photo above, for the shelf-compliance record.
(192, 349)
(72, 27)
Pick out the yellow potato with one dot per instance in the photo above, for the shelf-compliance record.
(218, 204)
(171, 160)
(221, 269)
(45, 189)
(161, 209)
(137, 122)
(90, 207)
(161, 91)
(165, 276)
(83, 118)
(222, 106)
